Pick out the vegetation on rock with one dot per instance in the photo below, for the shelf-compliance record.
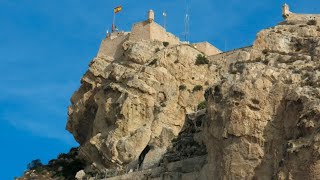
(197, 88)
(201, 59)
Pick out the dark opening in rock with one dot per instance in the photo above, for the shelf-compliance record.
(143, 154)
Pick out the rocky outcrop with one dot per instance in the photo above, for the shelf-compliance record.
(153, 110)
(189, 143)
(64, 167)
(135, 102)
(263, 121)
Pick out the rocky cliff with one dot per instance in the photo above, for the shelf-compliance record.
(136, 102)
(167, 111)
(262, 117)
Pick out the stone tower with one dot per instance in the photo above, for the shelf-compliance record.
(285, 11)
(150, 16)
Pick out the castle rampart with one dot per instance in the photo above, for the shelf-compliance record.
(111, 45)
(150, 30)
(206, 48)
(298, 18)
(146, 30)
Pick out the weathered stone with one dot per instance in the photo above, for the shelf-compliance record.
(80, 175)
(261, 122)
(134, 102)
(260, 116)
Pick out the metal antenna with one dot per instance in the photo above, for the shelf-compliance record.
(164, 19)
(186, 23)
(186, 27)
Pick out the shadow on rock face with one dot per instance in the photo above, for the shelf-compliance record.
(127, 104)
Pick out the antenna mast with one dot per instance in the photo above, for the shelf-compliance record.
(164, 19)
(186, 23)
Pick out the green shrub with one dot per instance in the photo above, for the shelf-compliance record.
(157, 50)
(197, 88)
(312, 22)
(182, 87)
(201, 59)
(70, 169)
(202, 105)
(40, 170)
(165, 44)
(34, 164)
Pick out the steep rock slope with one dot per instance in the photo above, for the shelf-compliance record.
(263, 116)
(136, 103)
(263, 108)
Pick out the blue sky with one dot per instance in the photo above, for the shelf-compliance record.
(46, 46)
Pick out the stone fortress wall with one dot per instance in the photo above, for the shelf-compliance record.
(297, 18)
(150, 30)
(206, 48)
(111, 45)
(146, 30)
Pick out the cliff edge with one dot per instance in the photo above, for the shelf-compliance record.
(153, 107)
(262, 113)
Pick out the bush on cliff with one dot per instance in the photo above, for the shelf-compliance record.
(201, 59)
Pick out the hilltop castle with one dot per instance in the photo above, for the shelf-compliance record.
(148, 110)
(150, 30)
(147, 30)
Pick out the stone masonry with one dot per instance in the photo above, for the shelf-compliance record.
(110, 47)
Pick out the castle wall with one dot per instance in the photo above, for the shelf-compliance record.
(160, 34)
(302, 18)
(186, 169)
(230, 57)
(140, 31)
(151, 31)
(206, 48)
(111, 46)
(298, 18)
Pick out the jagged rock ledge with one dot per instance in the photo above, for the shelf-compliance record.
(261, 115)
(262, 105)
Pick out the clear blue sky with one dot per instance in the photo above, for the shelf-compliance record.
(45, 47)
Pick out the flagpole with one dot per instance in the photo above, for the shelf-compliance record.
(113, 21)
(115, 11)
(164, 19)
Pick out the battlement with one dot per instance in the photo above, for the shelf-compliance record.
(298, 18)
(206, 48)
(146, 30)
(150, 30)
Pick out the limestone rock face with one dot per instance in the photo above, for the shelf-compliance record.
(261, 119)
(263, 116)
(136, 102)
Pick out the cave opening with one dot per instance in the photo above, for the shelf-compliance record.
(143, 155)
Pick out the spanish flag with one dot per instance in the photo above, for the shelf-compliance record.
(117, 9)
